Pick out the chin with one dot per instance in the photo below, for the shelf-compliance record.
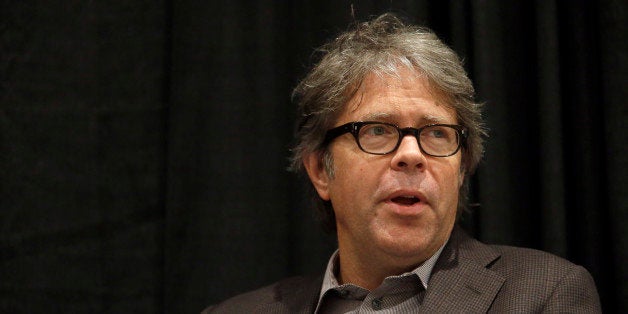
(412, 247)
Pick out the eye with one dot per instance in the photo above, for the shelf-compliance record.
(377, 130)
(437, 133)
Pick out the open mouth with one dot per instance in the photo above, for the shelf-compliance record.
(405, 200)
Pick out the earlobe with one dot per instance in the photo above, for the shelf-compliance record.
(318, 175)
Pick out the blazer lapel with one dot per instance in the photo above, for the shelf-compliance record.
(461, 281)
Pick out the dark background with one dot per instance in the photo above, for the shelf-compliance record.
(143, 144)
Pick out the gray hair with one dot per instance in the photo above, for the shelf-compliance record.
(381, 46)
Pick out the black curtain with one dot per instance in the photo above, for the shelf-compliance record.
(143, 145)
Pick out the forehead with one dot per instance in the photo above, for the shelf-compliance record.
(401, 97)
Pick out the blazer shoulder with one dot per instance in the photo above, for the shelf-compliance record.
(274, 298)
(519, 259)
(510, 262)
(244, 303)
(545, 281)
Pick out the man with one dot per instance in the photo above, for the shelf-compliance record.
(388, 138)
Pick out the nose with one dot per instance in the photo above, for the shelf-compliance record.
(408, 155)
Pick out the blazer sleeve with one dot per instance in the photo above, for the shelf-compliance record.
(574, 293)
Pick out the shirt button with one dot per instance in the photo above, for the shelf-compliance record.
(377, 304)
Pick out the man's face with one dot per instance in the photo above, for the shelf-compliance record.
(400, 206)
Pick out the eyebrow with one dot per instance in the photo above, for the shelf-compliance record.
(433, 119)
(379, 116)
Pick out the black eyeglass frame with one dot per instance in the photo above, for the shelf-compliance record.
(354, 129)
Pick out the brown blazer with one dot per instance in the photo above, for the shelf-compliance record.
(469, 277)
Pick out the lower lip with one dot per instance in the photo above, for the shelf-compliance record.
(406, 210)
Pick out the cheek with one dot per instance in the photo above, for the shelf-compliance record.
(448, 179)
(346, 176)
(357, 179)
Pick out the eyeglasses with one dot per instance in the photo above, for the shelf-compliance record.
(378, 138)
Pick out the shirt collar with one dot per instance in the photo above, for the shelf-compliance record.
(424, 271)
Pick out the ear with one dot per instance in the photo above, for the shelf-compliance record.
(316, 171)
